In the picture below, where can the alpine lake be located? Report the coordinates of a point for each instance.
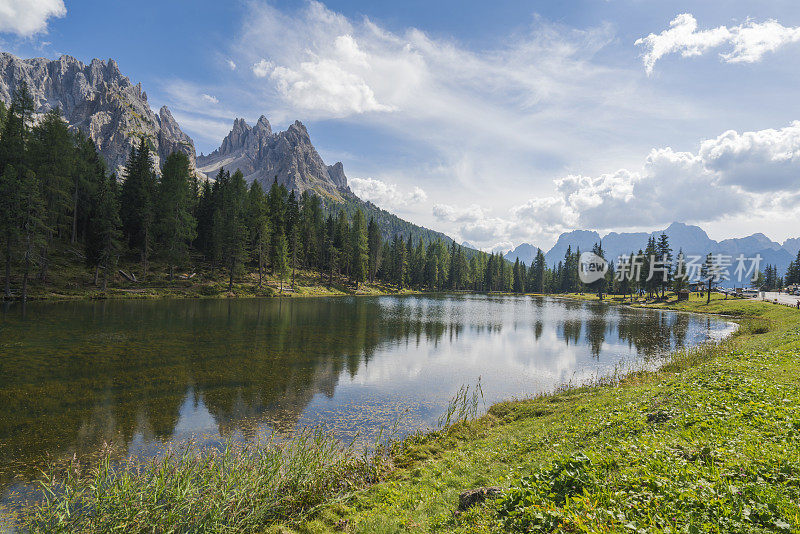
(140, 376)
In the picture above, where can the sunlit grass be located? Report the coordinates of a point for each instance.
(238, 489)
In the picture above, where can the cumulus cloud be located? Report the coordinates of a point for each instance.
(386, 195)
(446, 212)
(730, 175)
(262, 68)
(332, 84)
(210, 99)
(231, 64)
(749, 41)
(28, 17)
(761, 161)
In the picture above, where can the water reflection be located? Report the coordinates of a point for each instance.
(141, 374)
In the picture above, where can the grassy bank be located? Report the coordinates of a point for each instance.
(709, 443)
(69, 279)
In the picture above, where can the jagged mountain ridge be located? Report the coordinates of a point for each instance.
(262, 155)
(693, 240)
(98, 100)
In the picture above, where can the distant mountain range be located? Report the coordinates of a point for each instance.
(693, 240)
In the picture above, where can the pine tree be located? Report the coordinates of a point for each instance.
(331, 252)
(14, 141)
(538, 267)
(10, 216)
(32, 225)
(600, 285)
(519, 284)
(665, 258)
(679, 281)
(103, 234)
(89, 175)
(52, 158)
(232, 238)
(707, 273)
(312, 229)
(652, 281)
(342, 243)
(374, 248)
(276, 201)
(293, 231)
(360, 249)
(258, 227)
(280, 259)
(204, 215)
(137, 202)
(176, 226)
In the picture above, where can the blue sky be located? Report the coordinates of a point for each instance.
(498, 122)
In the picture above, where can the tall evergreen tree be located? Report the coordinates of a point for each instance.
(103, 234)
(32, 225)
(176, 225)
(360, 249)
(137, 202)
(374, 247)
(665, 258)
(258, 226)
(230, 224)
(14, 141)
(280, 258)
(52, 158)
(293, 231)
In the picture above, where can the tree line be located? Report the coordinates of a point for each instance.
(55, 189)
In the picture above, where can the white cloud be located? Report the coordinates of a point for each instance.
(28, 17)
(384, 194)
(232, 64)
(750, 41)
(761, 161)
(210, 99)
(262, 68)
(729, 176)
(446, 212)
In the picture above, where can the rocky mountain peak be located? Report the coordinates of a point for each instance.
(263, 125)
(98, 100)
(262, 154)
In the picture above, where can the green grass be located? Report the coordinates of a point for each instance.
(69, 279)
(239, 489)
(709, 443)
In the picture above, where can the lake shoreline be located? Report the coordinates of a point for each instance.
(415, 465)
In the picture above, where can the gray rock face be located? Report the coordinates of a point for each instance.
(98, 100)
(262, 155)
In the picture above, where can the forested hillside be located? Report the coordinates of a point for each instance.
(61, 203)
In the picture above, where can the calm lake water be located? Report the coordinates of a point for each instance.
(147, 374)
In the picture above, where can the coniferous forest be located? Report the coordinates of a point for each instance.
(57, 195)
